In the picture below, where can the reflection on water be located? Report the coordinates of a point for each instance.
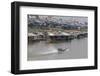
(42, 50)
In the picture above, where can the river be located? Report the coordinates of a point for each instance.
(41, 50)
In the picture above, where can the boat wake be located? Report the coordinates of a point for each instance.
(49, 52)
(56, 51)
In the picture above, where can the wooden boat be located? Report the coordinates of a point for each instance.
(61, 50)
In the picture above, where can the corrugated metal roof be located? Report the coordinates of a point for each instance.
(51, 34)
(58, 34)
(64, 33)
(31, 34)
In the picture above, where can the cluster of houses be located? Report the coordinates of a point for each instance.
(52, 36)
(60, 36)
(36, 36)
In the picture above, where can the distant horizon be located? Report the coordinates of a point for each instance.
(55, 15)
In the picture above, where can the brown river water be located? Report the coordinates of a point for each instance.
(41, 50)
